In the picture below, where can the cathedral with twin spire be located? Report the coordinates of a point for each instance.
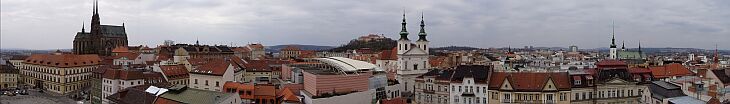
(102, 39)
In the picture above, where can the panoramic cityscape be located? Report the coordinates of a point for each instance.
(364, 52)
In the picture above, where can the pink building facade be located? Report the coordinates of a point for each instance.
(317, 82)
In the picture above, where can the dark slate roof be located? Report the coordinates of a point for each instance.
(82, 34)
(663, 90)
(722, 76)
(113, 31)
(6, 67)
(133, 95)
(478, 72)
(439, 74)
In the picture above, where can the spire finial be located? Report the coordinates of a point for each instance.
(403, 31)
(639, 45)
(422, 34)
(83, 27)
(96, 6)
(623, 45)
(613, 35)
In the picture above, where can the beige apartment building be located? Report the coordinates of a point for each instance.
(212, 75)
(58, 73)
(8, 75)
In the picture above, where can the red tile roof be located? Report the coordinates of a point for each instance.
(294, 87)
(256, 46)
(670, 70)
(639, 70)
(63, 60)
(436, 61)
(308, 54)
(161, 100)
(397, 100)
(240, 87)
(120, 49)
(265, 90)
(241, 49)
(152, 76)
(129, 56)
(123, 74)
(610, 63)
(213, 67)
(173, 72)
(530, 81)
(389, 54)
(257, 65)
(163, 55)
(287, 95)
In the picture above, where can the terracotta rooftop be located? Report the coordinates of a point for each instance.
(120, 49)
(670, 70)
(256, 46)
(610, 63)
(287, 95)
(241, 87)
(397, 100)
(213, 67)
(63, 60)
(639, 70)
(123, 74)
(436, 61)
(257, 65)
(129, 56)
(173, 72)
(389, 54)
(241, 49)
(530, 81)
(264, 90)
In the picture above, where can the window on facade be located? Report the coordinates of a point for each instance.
(494, 95)
(217, 83)
(206, 82)
(506, 98)
(549, 97)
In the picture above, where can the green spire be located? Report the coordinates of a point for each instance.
(403, 31)
(422, 34)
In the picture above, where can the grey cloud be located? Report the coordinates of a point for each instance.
(690, 23)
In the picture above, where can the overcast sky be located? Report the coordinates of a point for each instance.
(52, 24)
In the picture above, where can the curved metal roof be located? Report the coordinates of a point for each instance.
(349, 65)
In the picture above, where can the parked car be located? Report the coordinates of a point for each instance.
(9, 93)
(24, 92)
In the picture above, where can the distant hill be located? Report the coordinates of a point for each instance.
(377, 45)
(454, 48)
(277, 48)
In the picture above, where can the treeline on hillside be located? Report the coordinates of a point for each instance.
(376, 45)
